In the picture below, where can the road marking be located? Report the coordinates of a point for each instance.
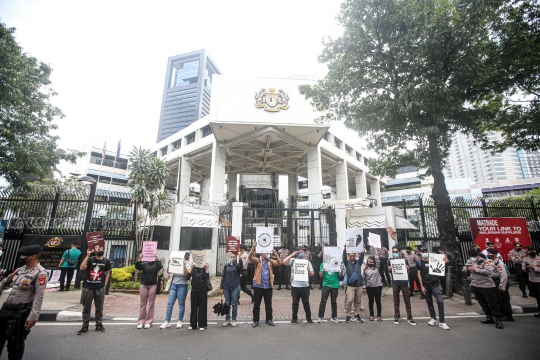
(104, 323)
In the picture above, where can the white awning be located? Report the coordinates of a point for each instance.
(199, 220)
(367, 222)
(402, 223)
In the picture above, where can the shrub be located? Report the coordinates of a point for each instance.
(129, 269)
(119, 275)
(127, 285)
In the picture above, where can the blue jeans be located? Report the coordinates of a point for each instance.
(231, 298)
(178, 291)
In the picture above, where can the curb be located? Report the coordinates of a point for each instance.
(525, 309)
(74, 316)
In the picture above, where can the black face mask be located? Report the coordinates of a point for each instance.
(371, 265)
(532, 254)
(100, 253)
(20, 262)
(517, 249)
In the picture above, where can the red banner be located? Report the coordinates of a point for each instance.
(502, 232)
(233, 244)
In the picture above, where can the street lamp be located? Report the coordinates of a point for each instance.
(87, 180)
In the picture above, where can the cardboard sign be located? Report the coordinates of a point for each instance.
(149, 250)
(436, 264)
(353, 240)
(502, 232)
(301, 270)
(332, 258)
(375, 240)
(176, 266)
(233, 244)
(399, 269)
(264, 238)
(95, 241)
(199, 258)
(55, 277)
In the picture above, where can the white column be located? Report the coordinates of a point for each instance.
(293, 186)
(236, 229)
(233, 185)
(205, 189)
(217, 173)
(213, 252)
(342, 182)
(341, 224)
(314, 175)
(184, 177)
(361, 187)
(376, 192)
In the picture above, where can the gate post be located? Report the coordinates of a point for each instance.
(236, 229)
(289, 228)
(341, 224)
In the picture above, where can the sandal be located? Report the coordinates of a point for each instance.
(379, 319)
(371, 318)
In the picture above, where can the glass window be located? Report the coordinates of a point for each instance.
(190, 138)
(207, 130)
(208, 73)
(185, 72)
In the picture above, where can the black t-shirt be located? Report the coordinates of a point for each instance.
(95, 273)
(427, 279)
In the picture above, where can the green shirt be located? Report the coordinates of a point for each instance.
(73, 256)
(330, 278)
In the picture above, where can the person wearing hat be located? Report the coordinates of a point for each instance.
(23, 304)
(531, 264)
(477, 248)
(490, 245)
(284, 272)
(516, 255)
(500, 277)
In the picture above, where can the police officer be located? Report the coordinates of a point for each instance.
(517, 255)
(531, 264)
(483, 286)
(23, 304)
(500, 277)
(413, 276)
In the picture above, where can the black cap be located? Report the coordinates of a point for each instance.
(517, 245)
(472, 253)
(422, 248)
(492, 251)
(30, 250)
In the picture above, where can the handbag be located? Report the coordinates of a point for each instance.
(160, 284)
(208, 284)
(69, 261)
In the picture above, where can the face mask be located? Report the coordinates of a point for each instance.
(473, 259)
(396, 255)
(371, 265)
(517, 249)
(100, 253)
(425, 255)
(283, 247)
(20, 262)
(233, 261)
(301, 255)
(532, 254)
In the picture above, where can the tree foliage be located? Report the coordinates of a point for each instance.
(28, 150)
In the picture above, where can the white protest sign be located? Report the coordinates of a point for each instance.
(199, 258)
(301, 270)
(332, 258)
(176, 266)
(436, 264)
(375, 240)
(399, 269)
(264, 238)
(353, 239)
(55, 278)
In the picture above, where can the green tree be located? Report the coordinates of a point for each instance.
(406, 74)
(28, 150)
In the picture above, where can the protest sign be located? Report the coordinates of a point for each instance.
(353, 239)
(176, 266)
(332, 258)
(264, 236)
(233, 244)
(300, 270)
(149, 250)
(199, 258)
(399, 269)
(436, 264)
(375, 240)
(95, 241)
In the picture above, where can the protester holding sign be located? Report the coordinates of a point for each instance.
(67, 265)
(199, 297)
(373, 287)
(230, 286)
(148, 288)
(178, 291)
(300, 284)
(330, 283)
(399, 268)
(353, 269)
(429, 284)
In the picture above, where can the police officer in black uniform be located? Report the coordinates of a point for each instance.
(23, 304)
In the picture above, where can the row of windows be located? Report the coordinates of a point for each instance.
(349, 150)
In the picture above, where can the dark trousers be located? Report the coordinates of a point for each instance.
(435, 291)
(259, 294)
(251, 273)
(443, 279)
(383, 271)
(63, 273)
(504, 299)
(487, 298)
(374, 295)
(89, 295)
(521, 277)
(244, 282)
(284, 275)
(333, 301)
(302, 293)
(413, 276)
(15, 349)
(537, 291)
(199, 305)
(396, 289)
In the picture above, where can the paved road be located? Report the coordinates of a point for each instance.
(468, 339)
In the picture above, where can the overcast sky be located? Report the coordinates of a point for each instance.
(109, 57)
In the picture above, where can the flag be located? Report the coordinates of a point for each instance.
(118, 148)
(104, 150)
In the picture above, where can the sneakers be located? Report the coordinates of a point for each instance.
(140, 326)
(396, 321)
(411, 322)
(83, 330)
(100, 328)
(147, 326)
(202, 329)
(348, 319)
(294, 322)
(310, 321)
(444, 326)
(336, 320)
(319, 320)
(361, 307)
(165, 325)
(233, 323)
(279, 287)
(178, 326)
(190, 328)
(358, 318)
(270, 322)
(432, 322)
(255, 324)
(226, 323)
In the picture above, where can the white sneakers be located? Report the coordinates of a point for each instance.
(165, 325)
(233, 323)
(140, 326)
(147, 326)
(319, 320)
(202, 329)
(226, 323)
(179, 325)
(444, 326)
(432, 322)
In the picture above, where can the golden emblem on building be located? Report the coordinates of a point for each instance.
(54, 242)
(271, 101)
